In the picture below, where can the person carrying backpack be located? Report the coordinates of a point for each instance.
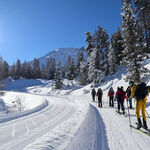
(140, 92)
(128, 93)
(111, 94)
(120, 94)
(93, 93)
(99, 95)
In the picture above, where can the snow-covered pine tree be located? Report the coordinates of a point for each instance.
(93, 70)
(70, 69)
(58, 76)
(83, 71)
(79, 59)
(143, 14)
(51, 68)
(112, 60)
(97, 50)
(100, 40)
(133, 51)
(117, 45)
(89, 40)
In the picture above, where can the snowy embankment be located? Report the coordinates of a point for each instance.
(20, 104)
(29, 108)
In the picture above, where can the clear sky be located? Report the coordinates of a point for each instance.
(32, 28)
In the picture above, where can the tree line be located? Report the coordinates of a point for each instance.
(128, 46)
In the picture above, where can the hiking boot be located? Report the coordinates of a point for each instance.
(144, 124)
(123, 112)
(118, 111)
(139, 124)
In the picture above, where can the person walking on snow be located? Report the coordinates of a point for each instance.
(99, 95)
(128, 93)
(111, 94)
(140, 102)
(93, 93)
(120, 99)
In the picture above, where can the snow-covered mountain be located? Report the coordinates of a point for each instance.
(61, 54)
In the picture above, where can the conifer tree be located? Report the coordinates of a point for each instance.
(51, 68)
(43, 72)
(58, 76)
(143, 14)
(5, 70)
(117, 45)
(133, 51)
(83, 71)
(36, 68)
(70, 69)
(24, 69)
(12, 71)
(29, 71)
(18, 68)
(97, 50)
(112, 60)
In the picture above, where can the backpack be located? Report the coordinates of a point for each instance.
(99, 93)
(93, 92)
(141, 91)
(128, 91)
(111, 92)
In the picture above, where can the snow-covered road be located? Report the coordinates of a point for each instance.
(18, 133)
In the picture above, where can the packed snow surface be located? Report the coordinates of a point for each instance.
(69, 120)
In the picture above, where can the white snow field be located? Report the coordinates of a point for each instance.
(67, 119)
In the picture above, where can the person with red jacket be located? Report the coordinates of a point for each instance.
(111, 94)
(121, 96)
(99, 95)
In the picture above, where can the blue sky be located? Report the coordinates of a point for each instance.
(32, 28)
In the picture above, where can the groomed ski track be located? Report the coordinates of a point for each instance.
(18, 133)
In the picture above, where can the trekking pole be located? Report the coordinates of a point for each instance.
(129, 114)
(107, 100)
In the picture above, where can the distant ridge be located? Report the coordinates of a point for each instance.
(61, 54)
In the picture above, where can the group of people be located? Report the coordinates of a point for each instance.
(99, 94)
(130, 93)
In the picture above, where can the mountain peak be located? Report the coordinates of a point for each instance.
(61, 54)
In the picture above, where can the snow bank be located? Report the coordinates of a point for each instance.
(9, 117)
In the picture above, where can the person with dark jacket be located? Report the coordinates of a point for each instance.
(111, 94)
(120, 99)
(93, 93)
(99, 95)
(128, 93)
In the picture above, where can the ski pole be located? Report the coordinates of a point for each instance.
(128, 113)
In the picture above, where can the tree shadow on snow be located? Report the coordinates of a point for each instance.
(22, 85)
(101, 139)
(91, 134)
